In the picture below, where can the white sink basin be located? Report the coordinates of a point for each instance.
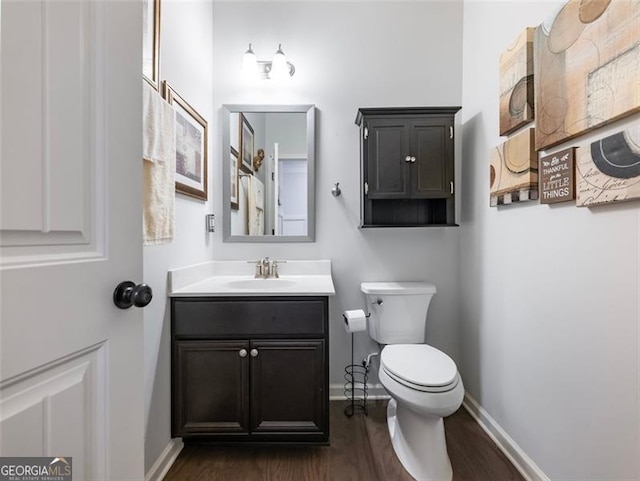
(236, 278)
(253, 284)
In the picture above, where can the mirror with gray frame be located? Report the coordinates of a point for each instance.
(268, 154)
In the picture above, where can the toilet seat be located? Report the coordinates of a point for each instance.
(420, 367)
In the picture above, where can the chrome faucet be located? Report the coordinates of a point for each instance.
(266, 268)
(266, 264)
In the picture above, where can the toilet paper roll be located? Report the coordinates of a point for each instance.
(355, 320)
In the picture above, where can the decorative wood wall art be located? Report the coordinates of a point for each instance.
(608, 169)
(587, 68)
(557, 177)
(514, 170)
(516, 83)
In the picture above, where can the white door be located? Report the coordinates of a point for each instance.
(270, 195)
(70, 231)
(293, 196)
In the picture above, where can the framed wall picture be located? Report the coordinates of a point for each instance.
(246, 142)
(191, 146)
(235, 180)
(151, 42)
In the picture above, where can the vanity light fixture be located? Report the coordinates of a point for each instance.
(277, 69)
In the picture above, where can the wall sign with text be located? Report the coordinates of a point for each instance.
(557, 177)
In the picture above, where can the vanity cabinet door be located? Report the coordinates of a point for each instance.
(288, 388)
(211, 394)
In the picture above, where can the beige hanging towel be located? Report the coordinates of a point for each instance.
(159, 166)
(256, 206)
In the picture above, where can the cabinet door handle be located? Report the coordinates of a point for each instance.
(242, 353)
(413, 159)
(254, 353)
(407, 158)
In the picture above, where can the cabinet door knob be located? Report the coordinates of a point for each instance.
(413, 159)
(254, 353)
(407, 158)
(242, 353)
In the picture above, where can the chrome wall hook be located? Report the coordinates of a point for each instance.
(336, 190)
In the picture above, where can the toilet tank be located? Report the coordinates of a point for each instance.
(398, 310)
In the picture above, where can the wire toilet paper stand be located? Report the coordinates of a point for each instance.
(355, 386)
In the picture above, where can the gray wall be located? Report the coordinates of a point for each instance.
(550, 350)
(186, 63)
(347, 55)
(549, 321)
(350, 55)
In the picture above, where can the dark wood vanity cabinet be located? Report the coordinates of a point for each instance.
(407, 166)
(251, 369)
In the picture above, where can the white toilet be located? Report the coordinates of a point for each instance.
(422, 381)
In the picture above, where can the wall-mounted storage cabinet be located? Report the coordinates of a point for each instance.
(407, 166)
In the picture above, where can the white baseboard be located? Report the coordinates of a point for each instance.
(374, 391)
(164, 462)
(523, 463)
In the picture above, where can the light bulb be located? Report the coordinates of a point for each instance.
(250, 63)
(279, 67)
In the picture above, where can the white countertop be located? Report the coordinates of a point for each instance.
(236, 278)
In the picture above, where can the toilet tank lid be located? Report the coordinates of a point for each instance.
(398, 288)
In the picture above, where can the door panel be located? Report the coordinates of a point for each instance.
(70, 231)
(46, 412)
(387, 171)
(47, 200)
(430, 172)
(284, 397)
(211, 387)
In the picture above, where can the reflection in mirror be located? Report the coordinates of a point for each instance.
(268, 176)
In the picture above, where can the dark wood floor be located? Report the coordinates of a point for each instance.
(360, 451)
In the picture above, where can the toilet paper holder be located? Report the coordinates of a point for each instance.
(344, 318)
(356, 389)
(355, 320)
(355, 375)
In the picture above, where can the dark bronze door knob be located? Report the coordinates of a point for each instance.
(129, 294)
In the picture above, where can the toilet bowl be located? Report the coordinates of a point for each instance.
(425, 387)
(423, 382)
